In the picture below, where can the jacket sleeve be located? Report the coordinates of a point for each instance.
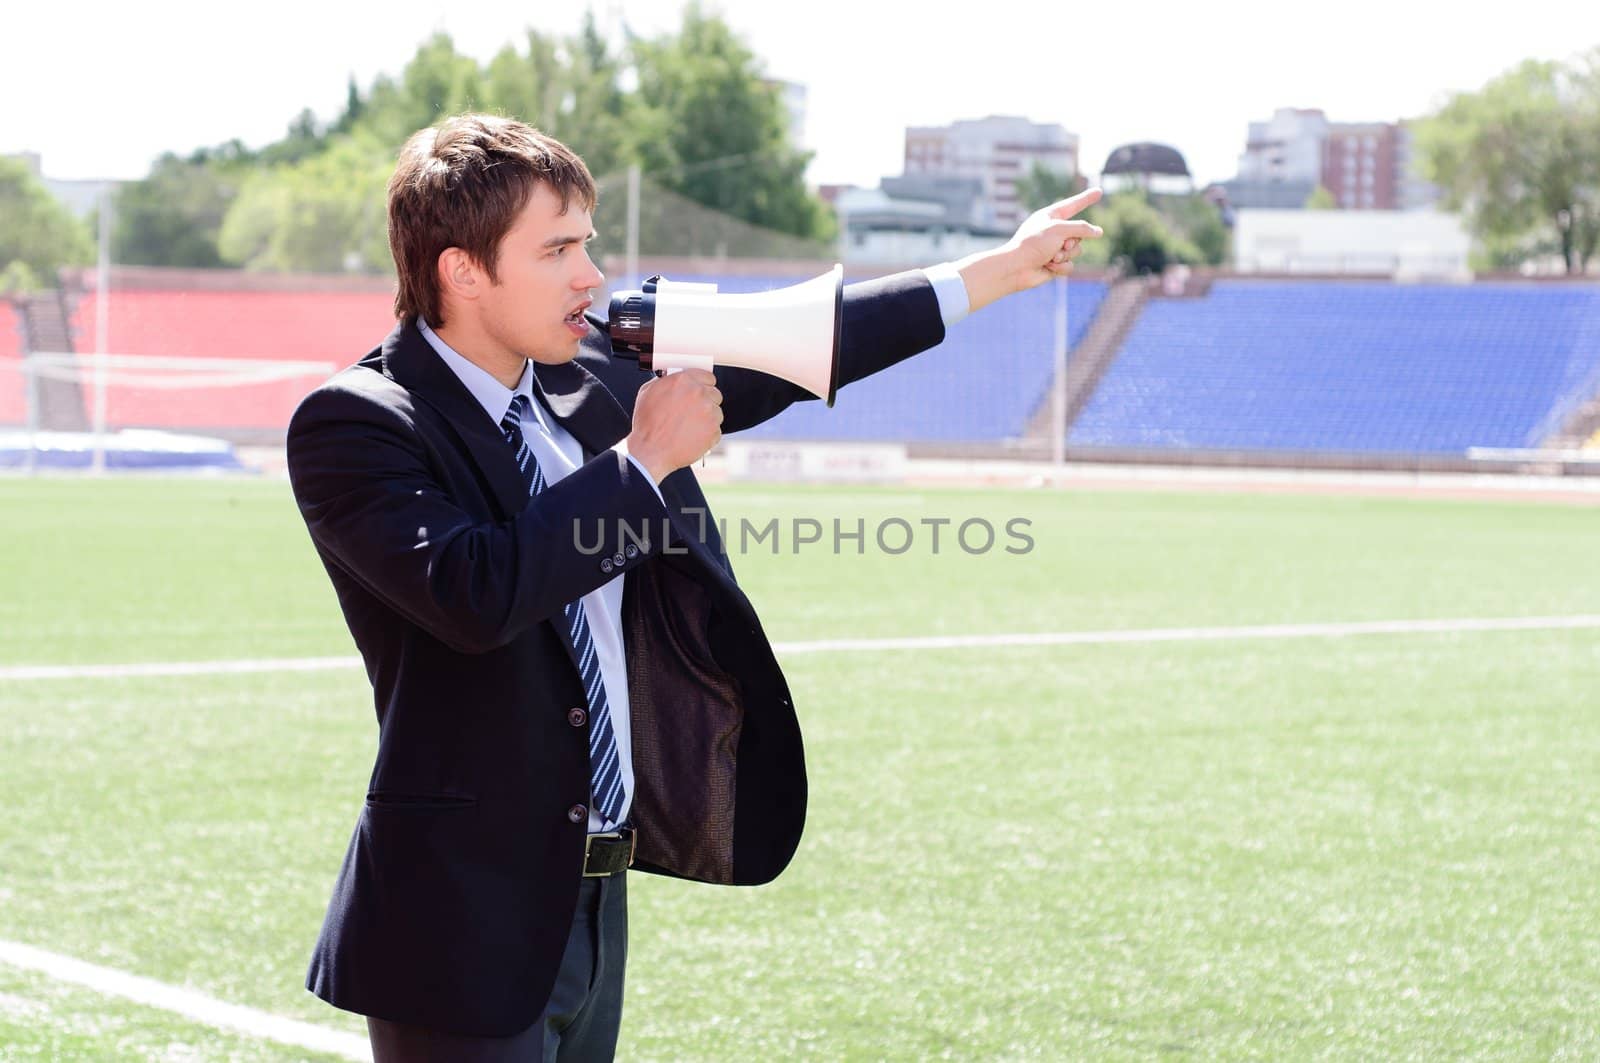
(886, 320)
(365, 482)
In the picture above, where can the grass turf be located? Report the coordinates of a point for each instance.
(1332, 848)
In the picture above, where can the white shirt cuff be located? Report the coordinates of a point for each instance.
(950, 290)
(651, 480)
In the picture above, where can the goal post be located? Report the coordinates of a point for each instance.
(84, 406)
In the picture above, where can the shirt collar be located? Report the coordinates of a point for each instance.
(493, 396)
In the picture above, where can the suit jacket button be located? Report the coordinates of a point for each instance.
(632, 551)
(618, 560)
(606, 565)
(577, 717)
(577, 813)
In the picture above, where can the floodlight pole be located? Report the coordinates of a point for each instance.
(1058, 419)
(631, 262)
(30, 380)
(102, 325)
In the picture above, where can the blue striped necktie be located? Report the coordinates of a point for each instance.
(604, 765)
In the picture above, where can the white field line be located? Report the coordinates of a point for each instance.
(165, 668)
(220, 1015)
(933, 642)
(185, 1002)
(1197, 634)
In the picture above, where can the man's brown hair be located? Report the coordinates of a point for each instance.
(462, 184)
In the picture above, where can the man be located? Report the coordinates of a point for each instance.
(550, 714)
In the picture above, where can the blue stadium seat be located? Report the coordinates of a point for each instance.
(1349, 368)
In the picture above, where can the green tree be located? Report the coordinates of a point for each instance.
(355, 106)
(1521, 159)
(325, 213)
(173, 216)
(1040, 187)
(702, 122)
(1196, 224)
(436, 82)
(17, 277)
(710, 128)
(1138, 237)
(39, 235)
(569, 89)
(1321, 199)
(304, 139)
(594, 114)
(526, 84)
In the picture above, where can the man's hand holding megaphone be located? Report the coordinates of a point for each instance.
(676, 419)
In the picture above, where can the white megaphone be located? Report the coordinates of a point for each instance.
(791, 333)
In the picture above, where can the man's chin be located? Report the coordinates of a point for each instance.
(557, 354)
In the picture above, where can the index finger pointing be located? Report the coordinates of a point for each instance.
(1066, 208)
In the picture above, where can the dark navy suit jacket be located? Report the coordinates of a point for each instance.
(456, 895)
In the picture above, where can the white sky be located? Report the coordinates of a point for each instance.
(100, 89)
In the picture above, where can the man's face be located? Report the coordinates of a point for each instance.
(544, 280)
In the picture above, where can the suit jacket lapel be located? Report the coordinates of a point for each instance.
(409, 361)
(575, 397)
(581, 403)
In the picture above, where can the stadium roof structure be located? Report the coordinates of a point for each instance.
(1146, 158)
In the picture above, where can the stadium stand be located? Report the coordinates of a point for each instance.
(1281, 366)
(334, 326)
(1356, 368)
(982, 384)
(13, 398)
(57, 399)
(1575, 420)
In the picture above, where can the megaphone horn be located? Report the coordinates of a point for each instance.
(792, 333)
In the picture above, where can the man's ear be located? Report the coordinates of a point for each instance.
(460, 276)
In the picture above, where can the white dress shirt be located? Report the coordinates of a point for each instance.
(558, 454)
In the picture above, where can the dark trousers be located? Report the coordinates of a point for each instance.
(579, 1024)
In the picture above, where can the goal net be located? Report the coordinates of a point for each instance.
(60, 410)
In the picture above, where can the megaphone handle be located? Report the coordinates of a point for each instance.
(667, 372)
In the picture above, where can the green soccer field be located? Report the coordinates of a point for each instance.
(1374, 846)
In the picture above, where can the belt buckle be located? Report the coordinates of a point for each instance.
(588, 843)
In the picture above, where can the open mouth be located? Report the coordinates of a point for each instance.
(576, 317)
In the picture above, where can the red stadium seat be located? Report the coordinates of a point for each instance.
(13, 402)
(333, 326)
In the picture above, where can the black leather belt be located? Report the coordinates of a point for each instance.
(607, 854)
